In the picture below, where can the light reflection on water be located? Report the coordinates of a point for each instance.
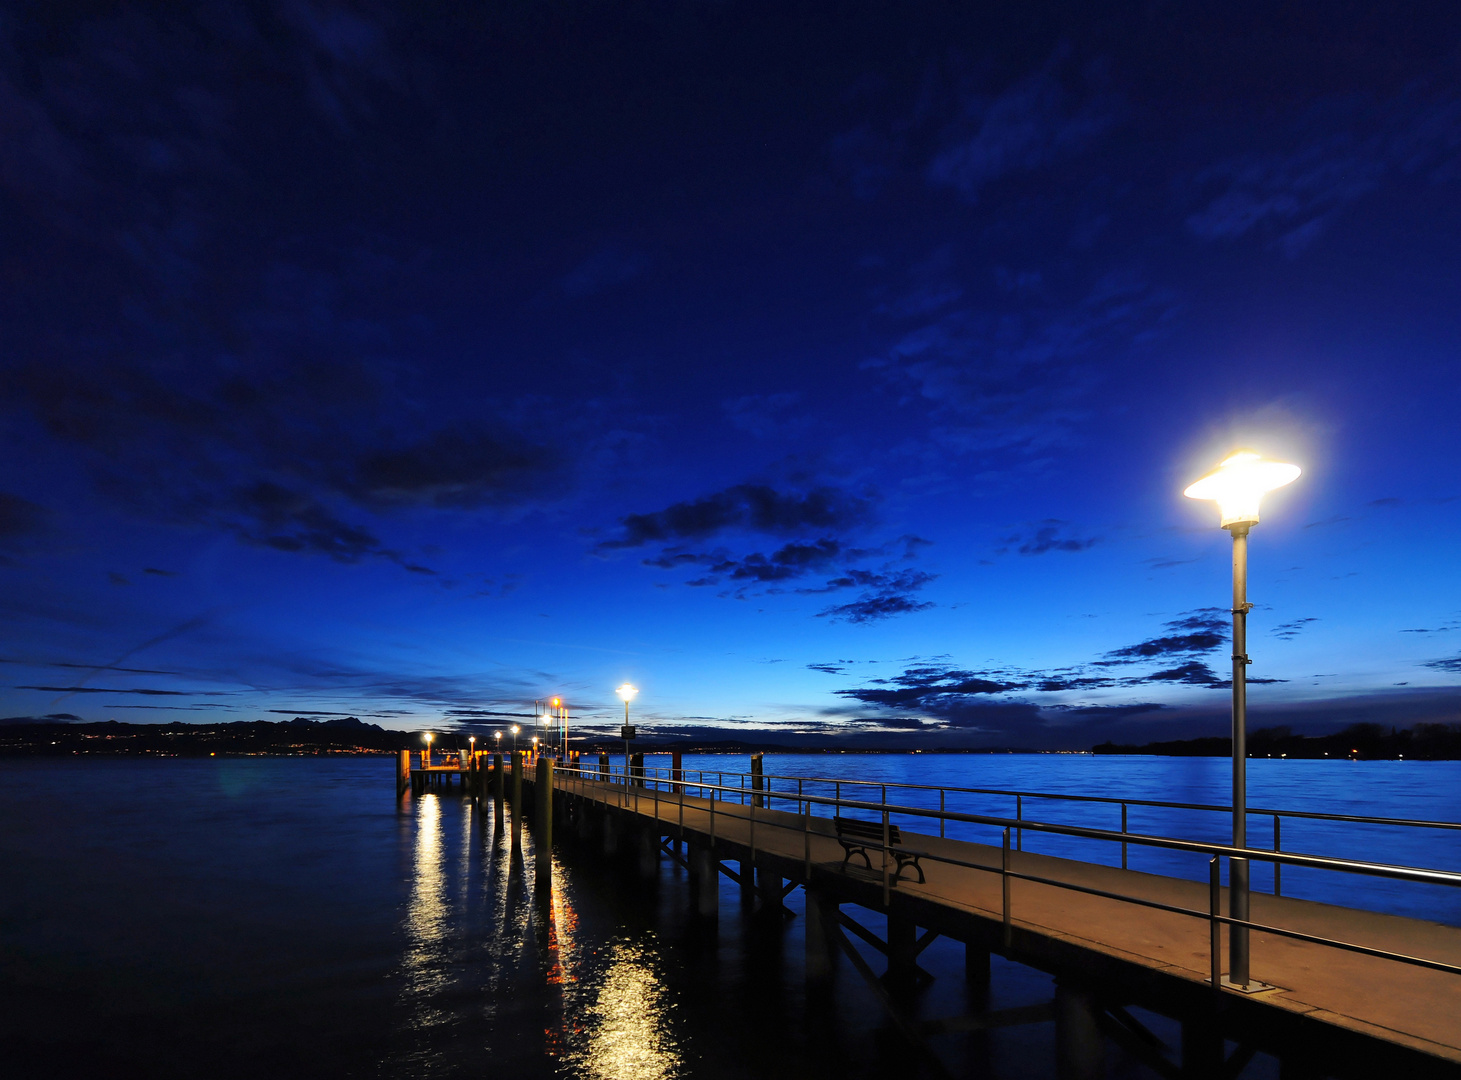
(628, 1030)
(423, 970)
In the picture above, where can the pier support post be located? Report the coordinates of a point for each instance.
(611, 835)
(1202, 1049)
(768, 886)
(821, 917)
(604, 767)
(677, 771)
(748, 884)
(902, 975)
(403, 773)
(543, 825)
(517, 782)
(499, 785)
(705, 881)
(1080, 1048)
(648, 851)
(757, 781)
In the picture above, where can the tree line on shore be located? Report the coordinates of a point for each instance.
(1423, 742)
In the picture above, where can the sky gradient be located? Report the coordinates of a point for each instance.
(829, 371)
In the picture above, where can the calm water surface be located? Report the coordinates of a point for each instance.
(251, 916)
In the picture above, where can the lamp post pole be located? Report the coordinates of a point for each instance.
(1238, 868)
(1238, 486)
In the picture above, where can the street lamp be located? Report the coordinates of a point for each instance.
(472, 752)
(627, 692)
(428, 737)
(1237, 486)
(514, 739)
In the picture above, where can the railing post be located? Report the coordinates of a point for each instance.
(1215, 933)
(1123, 833)
(1019, 816)
(887, 885)
(682, 810)
(941, 812)
(1277, 867)
(753, 831)
(712, 817)
(1004, 877)
(806, 840)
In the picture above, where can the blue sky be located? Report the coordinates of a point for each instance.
(828, 371)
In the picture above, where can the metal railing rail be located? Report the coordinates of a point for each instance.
(578, 777)
(1020, 796)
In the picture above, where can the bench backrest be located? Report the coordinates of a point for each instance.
(866, 830)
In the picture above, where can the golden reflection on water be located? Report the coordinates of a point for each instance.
(628, 1034)
(427, 915)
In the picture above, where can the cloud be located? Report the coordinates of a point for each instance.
(1345, 151)
(111, 690)
(49, 718)
(1047, 538)
(19, 518)
(1199, 631)
(610, 266)
(874, 607)
(747, 507)
(828, 669)
(1290, 630)
(930, 688)
(1034, 123)
(155, 572)
(767, 415)
(1450, 664)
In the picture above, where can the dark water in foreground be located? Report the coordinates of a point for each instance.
(285, 917)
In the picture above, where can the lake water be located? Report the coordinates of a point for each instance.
(287, 917)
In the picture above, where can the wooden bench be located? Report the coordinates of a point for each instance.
(855, 836)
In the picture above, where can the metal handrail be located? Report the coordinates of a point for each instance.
(1214, 851)
(1262, 811)
(1319, 862)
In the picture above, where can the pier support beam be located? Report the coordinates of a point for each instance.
(1202, 1049)
(748, 884)
(403, 773)
(1080, 1048)
(768, 887)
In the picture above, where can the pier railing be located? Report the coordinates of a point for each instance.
(742, 785)
(658, 788)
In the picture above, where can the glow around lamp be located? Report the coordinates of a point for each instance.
(1239, 484)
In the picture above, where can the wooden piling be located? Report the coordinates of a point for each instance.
(705, 877)
(1080, 1047)
(604, 767)
(403, 773)
(820, 918)
(757, 781)
(677, 771)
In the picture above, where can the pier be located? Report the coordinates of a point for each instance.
(1334, 991)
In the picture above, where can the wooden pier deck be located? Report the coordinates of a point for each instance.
(1341, 1005)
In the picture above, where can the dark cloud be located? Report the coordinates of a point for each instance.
(1114, 712)
(1450, 664)
(827, 669)
(454, 468)
(610, 266)
(1345, 150)
(1036, 122)
(108, 690)
(930, 688)
(1199, 631)
(1047, 537)
(19, 518)
(747, 507)
(49, 718)
(155, 572)
(1290, 630)
(874, 608)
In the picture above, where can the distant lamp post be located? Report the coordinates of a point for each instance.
(498, 736)
(428, 738)
(514, 738)
(1237, 486)
(627, 692)
(472, 752)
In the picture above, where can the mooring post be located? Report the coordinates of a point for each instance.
(604, 766)
(758, 781)
(403, 773)
(677, 771)
(637, 769)
(543, 823)
(516, 794)
(1080, 1048)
